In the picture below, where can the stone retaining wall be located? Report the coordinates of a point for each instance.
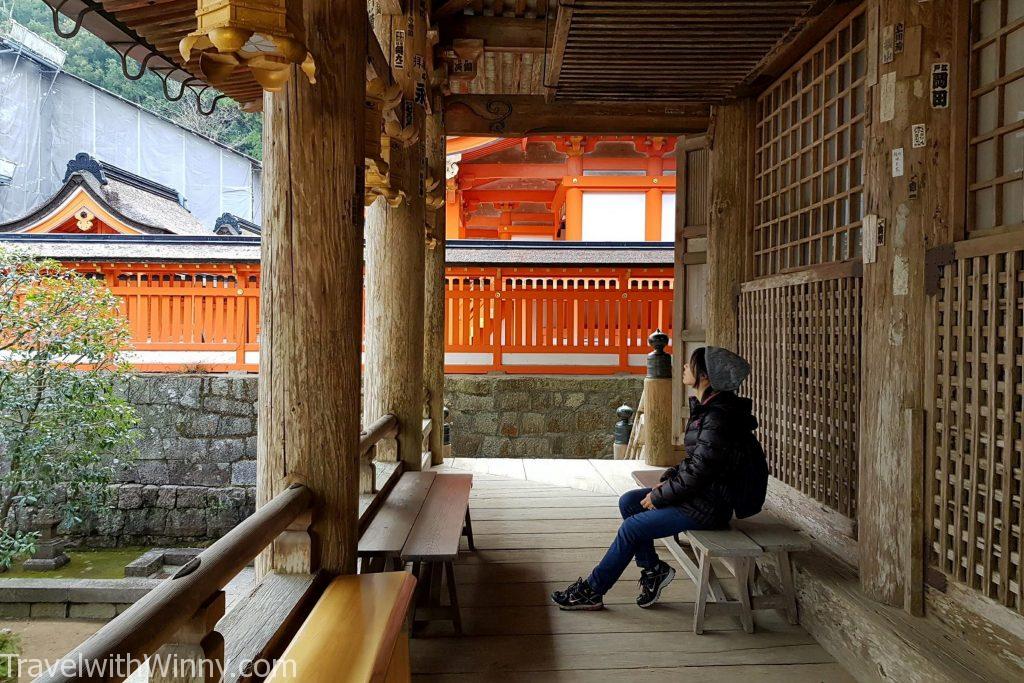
(536, 416)
(195, 474)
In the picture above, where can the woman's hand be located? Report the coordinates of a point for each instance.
(647, 503)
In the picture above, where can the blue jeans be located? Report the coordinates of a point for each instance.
(636, 537)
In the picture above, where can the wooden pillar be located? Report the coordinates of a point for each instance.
(395, 236)
(395, 255)
(914, 198)
(574, 214)
(658, 449)
(731, 222)
(453, 227)
(652, 216)
(434, 294)
(311, 291)
(574, 198)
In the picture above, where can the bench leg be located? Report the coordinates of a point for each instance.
(467, 530)
(788, 589)
(703, 587)
(453, 598)
(743, 569)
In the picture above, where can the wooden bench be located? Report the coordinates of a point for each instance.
(421, 522)
(738, 547)
(355, 633)
(778, 541)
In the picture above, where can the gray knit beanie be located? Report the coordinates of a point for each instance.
(726, 370)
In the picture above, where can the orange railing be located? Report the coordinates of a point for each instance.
(550, 320)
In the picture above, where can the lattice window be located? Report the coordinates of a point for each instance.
(996, 159)
(803, 344)
(977, 420)
(809, 156)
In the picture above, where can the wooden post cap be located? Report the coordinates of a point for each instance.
(659, 363)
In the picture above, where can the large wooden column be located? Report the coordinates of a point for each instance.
(731, 222)
(434, 290)
(393, 374)
(311, 288)
(914, 199)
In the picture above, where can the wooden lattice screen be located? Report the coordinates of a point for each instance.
(996, 158)
(809, 156)
(803, 342)
(976, 421)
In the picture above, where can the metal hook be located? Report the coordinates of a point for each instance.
(142, 69)
(184, 86)
(213, 104)
(78, 19)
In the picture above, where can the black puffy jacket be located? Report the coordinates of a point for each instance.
(699, 484)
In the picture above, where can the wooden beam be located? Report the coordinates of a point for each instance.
(448, 8)
(312, 253)
(500, 34)
(522, 115)
(558, 43)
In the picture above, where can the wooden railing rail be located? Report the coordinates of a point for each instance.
(384, 427)
(179, 615)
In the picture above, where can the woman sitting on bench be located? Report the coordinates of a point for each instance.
(695, 494)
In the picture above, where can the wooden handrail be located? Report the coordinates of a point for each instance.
(384, 427)
(144, 627)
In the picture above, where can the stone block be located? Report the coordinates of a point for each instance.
(243, 473)
(512, 400)
(84, 591)
(574, 399)
(150, 472)
(95, 610)
(130, 497)
(49, 610)
(228, 449)
(200, 474)
(146, 564)
(249, 452)
(186, 523)
(235, 426)
(483, 423)
(191, 497)
(509, 425)
(150, 493)
(532, 423)
(34, 590)
(227, 406)
(472, 403)
(14, 610)
(595, 420)
(167, 497)
(466, 445)
(199, 424)
(495, 447)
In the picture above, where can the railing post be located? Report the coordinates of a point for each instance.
(658, 403)
(623, 428)
(196, 652)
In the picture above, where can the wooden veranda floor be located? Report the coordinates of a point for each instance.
(533, 536)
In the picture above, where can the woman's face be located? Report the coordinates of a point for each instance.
(688, 378)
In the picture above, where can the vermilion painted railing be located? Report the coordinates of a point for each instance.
(517, 320)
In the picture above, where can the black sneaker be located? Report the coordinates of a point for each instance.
(652, 582)
(578, 596)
